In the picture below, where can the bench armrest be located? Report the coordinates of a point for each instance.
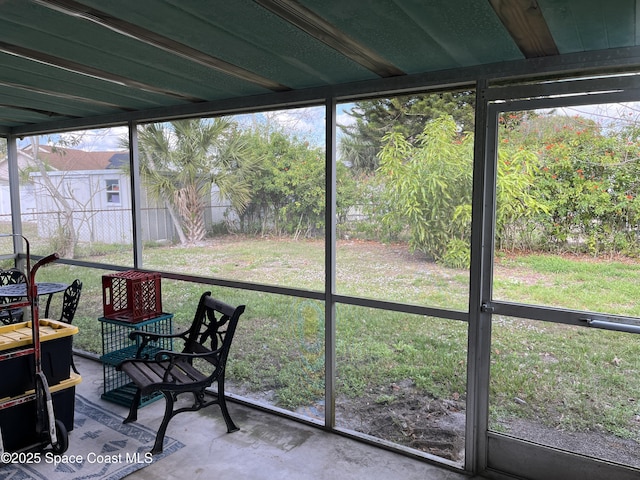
(147, 337)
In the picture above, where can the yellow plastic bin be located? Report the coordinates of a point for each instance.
(18, 422)
(17, 371)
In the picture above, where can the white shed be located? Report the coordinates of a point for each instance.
(99, 199)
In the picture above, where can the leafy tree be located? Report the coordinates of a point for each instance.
(373, 119)
(181, 160)
(289, 190)
(590, 182)
(586, 177)
(357, 150)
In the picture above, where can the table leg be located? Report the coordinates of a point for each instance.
(46, 309)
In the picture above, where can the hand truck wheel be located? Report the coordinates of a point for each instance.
(62, 438)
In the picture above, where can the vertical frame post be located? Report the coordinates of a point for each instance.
(134, 163)
(330, 263)
(479, 333)
(14, 199)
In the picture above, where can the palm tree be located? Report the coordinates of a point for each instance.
(181, 160)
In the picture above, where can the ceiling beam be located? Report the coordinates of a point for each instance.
(319, 28)
(148, 37)
(58, 62)
(524, 21)
(45, 113)
(62, 95)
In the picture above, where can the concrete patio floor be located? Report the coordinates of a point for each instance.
(266, 447)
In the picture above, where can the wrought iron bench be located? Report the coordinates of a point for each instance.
(201, 363)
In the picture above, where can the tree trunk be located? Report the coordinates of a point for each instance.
(191, 208)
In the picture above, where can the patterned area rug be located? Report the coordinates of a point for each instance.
(100, 448)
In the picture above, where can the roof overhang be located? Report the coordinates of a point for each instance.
(79, 64)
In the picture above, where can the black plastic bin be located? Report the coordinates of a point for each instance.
(18, 422)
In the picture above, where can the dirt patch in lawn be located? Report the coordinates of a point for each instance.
(398, 414)
(403, 416)
(407, 417)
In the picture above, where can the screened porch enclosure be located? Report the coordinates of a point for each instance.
(389, 363)
(430, 212)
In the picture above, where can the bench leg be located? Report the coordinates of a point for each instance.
(231, 427)
(133, 410)
(168, 414)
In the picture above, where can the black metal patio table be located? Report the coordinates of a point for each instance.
(17, 290)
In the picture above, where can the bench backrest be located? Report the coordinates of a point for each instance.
(212, 330)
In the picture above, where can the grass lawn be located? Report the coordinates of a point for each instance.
(562, 376)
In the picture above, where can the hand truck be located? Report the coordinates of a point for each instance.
(49, 431)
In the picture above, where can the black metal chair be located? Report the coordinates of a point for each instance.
(70, 301)
(201, 363)
(10, 277)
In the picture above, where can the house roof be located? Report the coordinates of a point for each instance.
(67, 159)
(67, 63)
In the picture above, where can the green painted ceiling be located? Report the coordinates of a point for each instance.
(67, 59)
